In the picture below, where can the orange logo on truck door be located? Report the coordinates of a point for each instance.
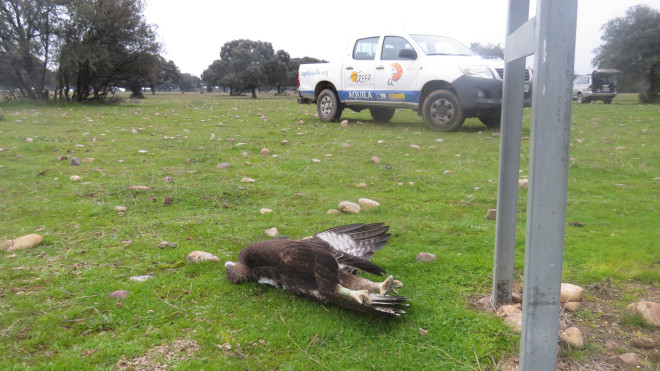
(397, 71)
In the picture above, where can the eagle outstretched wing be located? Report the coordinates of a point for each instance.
(358, 240)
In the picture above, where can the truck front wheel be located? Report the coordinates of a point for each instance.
(442, 112)
(327, 106)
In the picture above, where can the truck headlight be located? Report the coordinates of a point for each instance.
(483, 72)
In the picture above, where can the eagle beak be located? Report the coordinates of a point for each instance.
(229, 264)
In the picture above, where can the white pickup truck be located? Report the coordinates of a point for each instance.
(436, 76)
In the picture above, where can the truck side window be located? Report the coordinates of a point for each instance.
(365, 49)
(392, 46)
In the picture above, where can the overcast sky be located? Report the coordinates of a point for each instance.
(193, 31)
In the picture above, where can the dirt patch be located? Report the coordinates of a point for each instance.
(160, 358)
(607, 332)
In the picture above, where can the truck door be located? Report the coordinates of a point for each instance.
(358, 71)
(396, 71)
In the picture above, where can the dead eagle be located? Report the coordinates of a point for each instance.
(322, 267)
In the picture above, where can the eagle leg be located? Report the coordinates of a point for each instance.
(360, 296)
(389, 285)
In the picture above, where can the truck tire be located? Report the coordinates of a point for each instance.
(491, 121)
(328, 106)
(442, 112)
(580, 99)
(382, 114)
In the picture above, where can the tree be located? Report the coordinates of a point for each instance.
(489, 50)
(106, 43)
(27, 37)
(166, 76)
(214, 73)
(631, 44)
(189, 82)
(246, 63)
(277, 69)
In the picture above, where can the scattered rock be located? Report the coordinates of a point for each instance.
(316, 160)
(165, 244)
(630, 359)
(301, 122)
(201, 256)
(223, 165)
(62, 158)
(425, 257)
(29, 140)
(572, 306)
(344, 123)
(272, 232)
(516, 297)
(333, 211)
(168, 179)
(120, 208)
(375, 159)
(484, 304)
(573, 337)
(447, 172)
(21, 243)
(361, 185)
(349, 207)
(522, 183)
(368, 204)
(284, 142)
(265, 151)
(119, 294)
(139, 188)
(140, 278)
(247, 180)
(505, 310)
(643, 343)
(265, 210)
(570, 292)
(491, 214)
(133, 131)
(422, 332)
(88, 159)
(415, 146)
(75, 161)
(514, 322)
(648, 310)
(75, 178)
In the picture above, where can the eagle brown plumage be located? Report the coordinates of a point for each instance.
(322, 268)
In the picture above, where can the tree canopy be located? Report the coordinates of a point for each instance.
(631, 44)
(93, 45)
(487, 50)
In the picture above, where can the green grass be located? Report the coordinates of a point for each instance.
(55, 312)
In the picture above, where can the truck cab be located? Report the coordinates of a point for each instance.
(436, 76)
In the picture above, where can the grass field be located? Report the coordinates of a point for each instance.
(55, 312)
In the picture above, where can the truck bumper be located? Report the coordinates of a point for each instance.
(305, 97)
(484, 96)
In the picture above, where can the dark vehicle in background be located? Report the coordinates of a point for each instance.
(600, 85)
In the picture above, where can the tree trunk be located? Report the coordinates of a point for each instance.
(653, 83)
(254, 93)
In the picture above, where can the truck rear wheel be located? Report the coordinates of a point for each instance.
(327, 106)
(382, 114)
(491, 121)
(442, 112)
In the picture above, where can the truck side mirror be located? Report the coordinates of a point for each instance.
(408, 54)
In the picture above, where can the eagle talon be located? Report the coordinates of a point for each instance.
(361, 296)
(388, 285)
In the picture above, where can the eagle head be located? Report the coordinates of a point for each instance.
(236, 272)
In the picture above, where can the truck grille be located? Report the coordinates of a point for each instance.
(500, 72)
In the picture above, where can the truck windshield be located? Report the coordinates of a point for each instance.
(438, 45)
